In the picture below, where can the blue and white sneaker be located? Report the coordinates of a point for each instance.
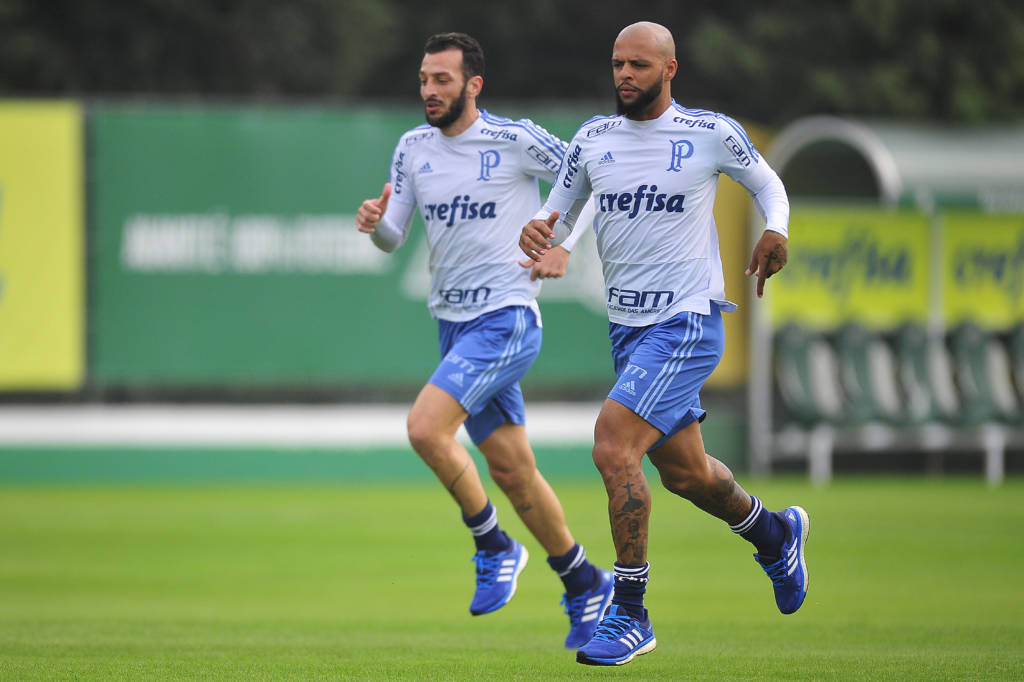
(496, 576)
(585, 610)
(618, 639)
(789, 571)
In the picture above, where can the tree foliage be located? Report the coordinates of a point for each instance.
(924, 59)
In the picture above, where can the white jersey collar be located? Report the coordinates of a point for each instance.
(466, 134)
(644, 125)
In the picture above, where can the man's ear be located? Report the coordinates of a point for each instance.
(475, 85)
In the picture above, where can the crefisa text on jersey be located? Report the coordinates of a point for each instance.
(498, 134)
(694, 122)
(645, 198)
(572, 164)
(461, 207)
(399, 173)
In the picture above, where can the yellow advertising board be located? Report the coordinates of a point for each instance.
(41, 246)
(983, 269)
(868, 265)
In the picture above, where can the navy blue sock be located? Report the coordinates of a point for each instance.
(630, 585)
(577, 574)
(486, 533)
(765, 529)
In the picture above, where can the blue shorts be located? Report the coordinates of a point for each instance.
(481, 365)
(662, 367)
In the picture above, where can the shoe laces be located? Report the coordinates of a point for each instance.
(574, 607)
(776, 571)
(612, 627)
(487, 566)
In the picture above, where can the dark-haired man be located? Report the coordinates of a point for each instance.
(653, 170)
(474, 178)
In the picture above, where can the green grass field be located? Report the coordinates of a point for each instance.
(910, 578)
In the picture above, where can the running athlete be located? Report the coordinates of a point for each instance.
(653, 170)
(474, 178)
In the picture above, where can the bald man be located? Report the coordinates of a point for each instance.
(653, 170)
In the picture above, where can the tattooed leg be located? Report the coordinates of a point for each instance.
(620, 441)
(629, 511)
(689, 472)
(513, 467)
(433, 421)
(721, 496)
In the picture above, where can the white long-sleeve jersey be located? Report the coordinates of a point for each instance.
(475, 191)
(653, 185)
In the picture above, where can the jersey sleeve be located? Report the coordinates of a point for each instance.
(572, 182)
(541, 151)
(580, 223)
(569, 193)
(740, 160)
(393, 228)
(400, 176)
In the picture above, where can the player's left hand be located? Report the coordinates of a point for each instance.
(770, 255)
(552, 264)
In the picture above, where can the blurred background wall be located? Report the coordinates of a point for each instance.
(179, 179)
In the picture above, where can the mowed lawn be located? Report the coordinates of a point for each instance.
(910, 578)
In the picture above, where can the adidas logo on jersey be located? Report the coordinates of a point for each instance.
(425, 168)
(628, 387)
(456, 378)
(606, 159)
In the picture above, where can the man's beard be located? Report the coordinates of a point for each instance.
(453, 113)
(642, 101)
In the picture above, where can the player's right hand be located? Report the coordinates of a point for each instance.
(372, 210)
(536, 237)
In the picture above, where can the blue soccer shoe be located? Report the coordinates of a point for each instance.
(789, 571)
(496, 576)
(585, 610)
(618, 639)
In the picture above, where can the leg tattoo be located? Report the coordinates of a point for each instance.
(629, 508)
(722, 497)
(451, 488)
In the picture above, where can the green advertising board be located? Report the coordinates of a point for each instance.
(225, 254)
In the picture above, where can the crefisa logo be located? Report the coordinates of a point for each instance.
(461, 207)
(644, 198)
(572, 164)
(399, 173)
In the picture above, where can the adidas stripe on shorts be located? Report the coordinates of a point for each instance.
(483, 360)
(662, 367)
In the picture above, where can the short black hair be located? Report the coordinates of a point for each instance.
(472, 53)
